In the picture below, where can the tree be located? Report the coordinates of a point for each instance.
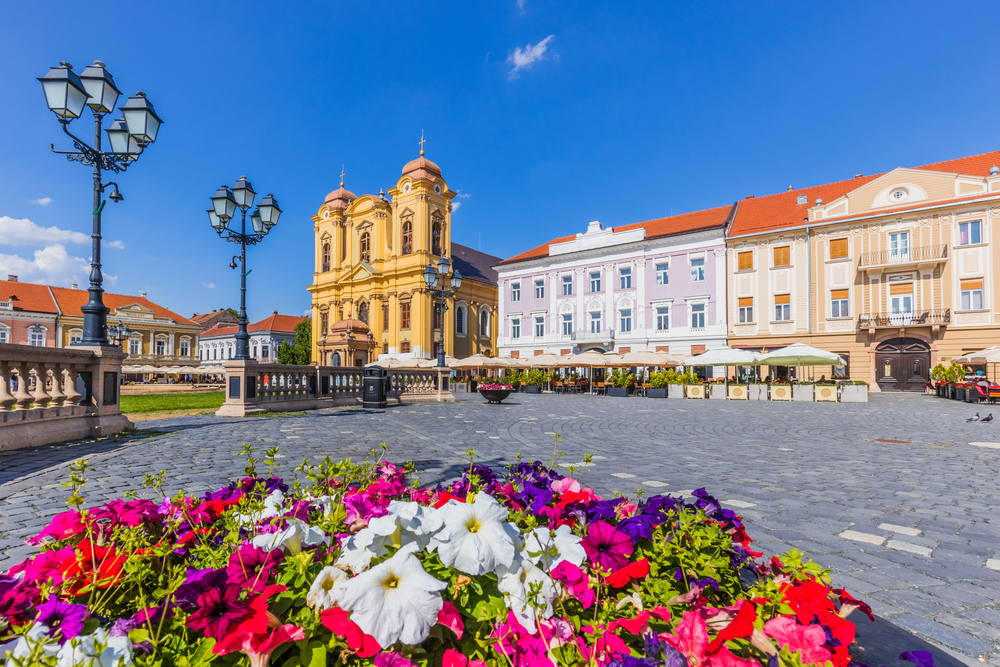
(234, 312)
(300, 351)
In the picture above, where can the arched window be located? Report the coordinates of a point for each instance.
(336, 359)
(363, 312)
(484, 323)
(460, 320)
(366, 247)
(324, 323)
(436, 239)
(407, 237)
(437, 316)
(326, 256)
(343, 243)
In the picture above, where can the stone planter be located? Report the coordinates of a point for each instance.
(738, 392)
(826, 392)
(803, 392)
(694, 390)
(853, 393)
(461, 387)
(618, 391)
(532, 389)
(959, 393)
(494, 395)
(781, 392)
(757, 392)
(716, 391)
(675, 391)
(656, 392)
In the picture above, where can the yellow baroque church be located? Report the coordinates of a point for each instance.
(369, 298)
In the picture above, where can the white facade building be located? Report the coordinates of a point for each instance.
(219, 342)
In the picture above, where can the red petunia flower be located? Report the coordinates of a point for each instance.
(92, 565)
(337, 621)
(622, 577)
(218, 610)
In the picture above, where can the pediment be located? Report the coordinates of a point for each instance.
(361, 271)
(133, 310)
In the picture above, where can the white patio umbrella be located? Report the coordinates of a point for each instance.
(988, 356)
(647, 358)
(589, 359)
(479, 361)
(799, 354)
(724, 356)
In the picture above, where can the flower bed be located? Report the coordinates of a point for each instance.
(354, 565)
(495, 387)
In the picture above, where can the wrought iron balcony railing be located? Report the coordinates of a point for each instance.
(586, 335)
(920, 253)
(906, 319)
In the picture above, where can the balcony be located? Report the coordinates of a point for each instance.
(935, 318)
(927, 255)
(585, 336)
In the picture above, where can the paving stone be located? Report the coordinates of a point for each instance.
(943, 634)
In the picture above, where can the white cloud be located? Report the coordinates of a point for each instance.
(52, 265)
(25, 232)
(209, 285)
(463, 196)
(455, 205)
(520, 5)
(117, 245)
(525, 58)
(44, 201)
(307, 312)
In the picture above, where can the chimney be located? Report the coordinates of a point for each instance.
(749, 197)
(74, 286)
(857, 175)
(274, 312)
(213, 310)
(11, 278)
(142, 295)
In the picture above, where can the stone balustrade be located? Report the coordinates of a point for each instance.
(253, 387)
(50, 395)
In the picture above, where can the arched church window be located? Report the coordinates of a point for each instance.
(336, 359)
(460, 320)
(436, 239)
(363, 312)
(326, 256)
(484, 324)
(324, 323)
(366, 247)
(407, 238)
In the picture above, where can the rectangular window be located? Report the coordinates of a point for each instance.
(515, 328)
(515, 291)
(161, 347)
(539, 326)
(3, 336)
(746, 309)
(899, 246)
(265, 352)
(697, 270)
(404, 347)
(663, 318)
(838, 248)
(626, 278)
(595, 323)
(567, 283)
(783, 256)
(968, 233)
(901, 299)
(972, 294)
(567, 325)
(698, 316)
(404, 315)
(37, 339)
(745, 260)
(662, 274)
(782, 308)
(539, 289)
(626, 320)
(135, 346)
(595, 282)
(838, 303)
(75, 339)
(185, 348)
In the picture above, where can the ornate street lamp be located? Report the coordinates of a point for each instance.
(119, 332)
(67, 95)
(432, 278)
(225, 201)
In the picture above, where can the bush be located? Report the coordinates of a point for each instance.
(621, 378)
(352, 565)
(534, 377)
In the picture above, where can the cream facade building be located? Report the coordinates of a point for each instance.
(895, 272)
(371, 252)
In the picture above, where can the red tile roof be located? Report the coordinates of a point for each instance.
(28, 296)
(72, 300)
(676, 224)
(778, 211)
(273, 322)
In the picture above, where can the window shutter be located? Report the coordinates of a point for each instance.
(972, 284)
(745, 260)
(838, 248)
(838, 294)
(782, 298)
(746, 301)
(901, 288)
(782, 256)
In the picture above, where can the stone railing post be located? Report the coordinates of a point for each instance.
(24, 399)
(57, 394)
(241, 388)
(105, 381)
(40, 397)
(7, 399)
(72, 395)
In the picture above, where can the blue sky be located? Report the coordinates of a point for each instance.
(543, 115)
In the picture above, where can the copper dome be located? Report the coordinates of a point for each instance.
(340, 198)
(422, 168)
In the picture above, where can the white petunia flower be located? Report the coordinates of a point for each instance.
(298, 534)
(516, 583)
(272, 507)
(408, 522)
(326, 590)
(547, 548)
(394, 601)
(475, 540)
(96, 650)
(359, 550)
(25, 645)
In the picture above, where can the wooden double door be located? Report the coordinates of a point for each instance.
(902, 364)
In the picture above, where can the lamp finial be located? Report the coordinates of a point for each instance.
(422, 140)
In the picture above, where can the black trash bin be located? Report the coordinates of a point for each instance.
(376, 387)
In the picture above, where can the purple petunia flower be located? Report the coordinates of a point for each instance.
(62, 617)
(603, 509)
(606, 548)
(631, 661)
(147, 616)
(534, 498)
(919, 658)
(197, 582)
(250, 566)
(638, 527)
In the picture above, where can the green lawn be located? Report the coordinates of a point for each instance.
(170, 402)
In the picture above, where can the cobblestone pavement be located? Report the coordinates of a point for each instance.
(894, 496)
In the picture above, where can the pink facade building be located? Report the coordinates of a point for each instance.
(28, 314)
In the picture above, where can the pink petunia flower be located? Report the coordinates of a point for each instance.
(607, 548)
(392, 659)
(576, 582)
(66, 524)
(809, 639)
